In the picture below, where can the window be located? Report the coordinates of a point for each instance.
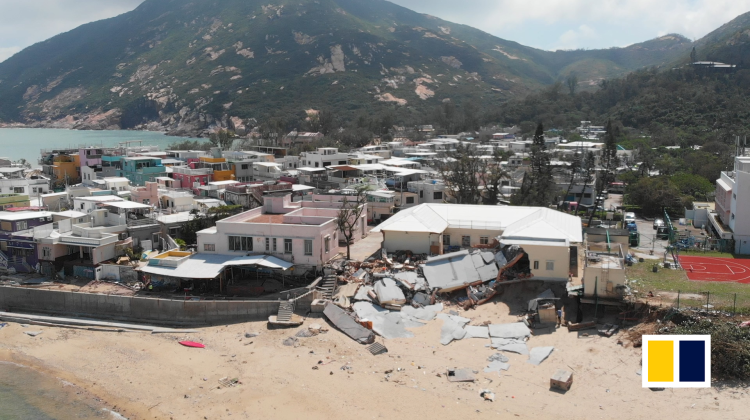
(446, 240)
(550, 266)
(287, 246)
(274, 244)
(209, 247)
(466, 241)
(34, 190)
(421, 194)
(536, 265)
(240, 243)
(327, 242)
(18, 190)
(484, 240)
(308, 246)
(244, 166)
(735, 196)
(587, 195)
(316, 164)
(409, 200)
(46, 252)
(21, 225)
(437, 195)
(173, 231)
(342, 162)
(268, 244)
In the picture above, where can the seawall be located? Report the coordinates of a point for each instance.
(165, 312)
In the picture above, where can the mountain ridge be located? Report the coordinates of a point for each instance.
(185, 67)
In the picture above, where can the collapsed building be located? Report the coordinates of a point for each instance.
(552, 241)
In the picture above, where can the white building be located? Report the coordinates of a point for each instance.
(303, 233)
(323, 157)
(548, 237)
(428, 190)
(13, 181)
(733, 205)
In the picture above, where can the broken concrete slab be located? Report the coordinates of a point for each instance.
(411, 280)
(345, 294)
(496, 366)
(457, 270)
(539, 354)
(510, 345)
(385, 323)
(515, 330)
(453, 328)
(389, 293)
(476, 332)
(348, 325)
(421, 299)
(32, 333)
(363, 294)
(427, 313)
(460, 375)
(498, 357)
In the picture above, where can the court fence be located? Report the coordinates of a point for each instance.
(731, 304)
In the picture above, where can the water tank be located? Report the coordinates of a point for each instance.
(434, 181)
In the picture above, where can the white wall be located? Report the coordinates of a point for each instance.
(416, 242)
(560, 255)
(457, 233)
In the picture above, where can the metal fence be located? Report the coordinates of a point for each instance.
(728, 303)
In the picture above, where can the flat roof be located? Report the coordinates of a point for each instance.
(267, 164)
(127, 205)
(209, 266)
(116, 179)
(13, 216)
(100, 199)
(308, 169)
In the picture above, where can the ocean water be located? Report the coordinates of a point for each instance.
(17, 143)
(26, 394)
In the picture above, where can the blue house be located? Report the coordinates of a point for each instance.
(141, 169)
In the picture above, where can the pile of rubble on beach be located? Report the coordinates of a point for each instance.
(386, 296)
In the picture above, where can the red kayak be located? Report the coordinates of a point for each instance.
(192, 344)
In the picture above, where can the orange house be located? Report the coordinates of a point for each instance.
(65, 170)
(223, 170)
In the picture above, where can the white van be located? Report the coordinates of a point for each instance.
(629, 217)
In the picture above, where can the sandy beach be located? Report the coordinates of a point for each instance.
(151, 376)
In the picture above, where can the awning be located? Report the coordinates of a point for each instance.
(261, 260)
(209, 266)
(344, 168)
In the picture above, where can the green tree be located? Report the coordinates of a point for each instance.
(222, 138)
(609, 163)
(572, 82)
(537, 187)
(460, 171)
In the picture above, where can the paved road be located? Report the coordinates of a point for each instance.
(648, 238)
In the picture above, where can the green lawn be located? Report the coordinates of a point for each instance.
(718, 294)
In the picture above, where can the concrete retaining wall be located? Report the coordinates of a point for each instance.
(144, 310)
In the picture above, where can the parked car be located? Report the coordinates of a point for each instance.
(658, 222)
(662, 232)
(629, 217)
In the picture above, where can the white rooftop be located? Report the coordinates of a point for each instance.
(11, 216)
(127, 205)
(513, 222)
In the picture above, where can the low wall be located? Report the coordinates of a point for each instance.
(164, 312)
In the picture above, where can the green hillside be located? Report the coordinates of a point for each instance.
(183, 66)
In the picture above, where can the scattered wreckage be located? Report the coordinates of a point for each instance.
(400, 291)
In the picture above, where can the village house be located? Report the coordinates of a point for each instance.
(302, 233)
(551, 239)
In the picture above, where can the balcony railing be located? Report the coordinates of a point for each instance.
(94, 242)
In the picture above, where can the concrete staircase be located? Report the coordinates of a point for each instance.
(286, 309)
(328, 287)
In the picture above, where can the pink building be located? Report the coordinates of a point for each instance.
(148, 194)
(90, 156)
(192, 179)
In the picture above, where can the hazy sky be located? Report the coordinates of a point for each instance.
(546, 24)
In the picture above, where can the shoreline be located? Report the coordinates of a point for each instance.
(117, 406)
